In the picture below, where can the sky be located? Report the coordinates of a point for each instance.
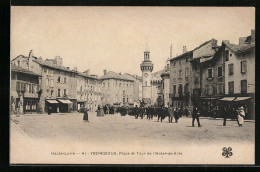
(114, 38)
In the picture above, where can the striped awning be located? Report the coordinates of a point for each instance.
(52, 101)
(64, 101)
(242, 98)
(229, 99)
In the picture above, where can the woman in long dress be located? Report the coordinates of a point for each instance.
(240, 116)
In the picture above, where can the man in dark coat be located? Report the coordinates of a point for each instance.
(195, 115)
(176, 115)
(85, 113)
(224, 114)
(136, 111)
(49, 110)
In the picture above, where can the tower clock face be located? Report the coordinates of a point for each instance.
(145, 75)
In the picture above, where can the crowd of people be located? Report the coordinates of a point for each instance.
(163, 112)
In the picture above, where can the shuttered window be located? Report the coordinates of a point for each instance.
(231, 69)
(243, 66)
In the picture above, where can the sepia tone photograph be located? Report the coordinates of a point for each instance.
(132, 85)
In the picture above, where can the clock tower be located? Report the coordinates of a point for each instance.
(146, 68)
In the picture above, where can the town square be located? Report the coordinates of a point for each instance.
(128, 85)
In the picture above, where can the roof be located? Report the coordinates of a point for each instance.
(19, 56)
(189, 52)
(22, 70)
(113, 75)
(239, 48)
(52, 65)
(85, 75)
(158, 72)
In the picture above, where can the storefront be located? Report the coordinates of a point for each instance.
(53, 104)
(65, 105)
(80, 104)
(30, 105)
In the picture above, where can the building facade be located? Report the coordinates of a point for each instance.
(24, 90)
(117, 89)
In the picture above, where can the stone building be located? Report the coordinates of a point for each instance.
(57, 84)
(166, 84)
(24, 89)
(185, 74)
(157, 91)
(137, 87)
(88, 91)
(117, 90)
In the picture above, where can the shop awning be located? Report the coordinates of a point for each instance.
(228, 99)
(209, 98)
(241, 98)
(52, 101)
(65, 101)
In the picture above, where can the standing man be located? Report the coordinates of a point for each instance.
(49, 110)
(85, 113)
(240, 116)
(176, 115)
(195, 115)
(170, 114)
(224, 113)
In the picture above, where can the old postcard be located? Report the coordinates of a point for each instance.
(132, 85)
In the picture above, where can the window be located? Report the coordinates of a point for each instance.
(243, 66)
(23, 87)
(243, 86)
(18, 63)
(47, 82)
(80, 88)
(187, 73)
(180, 62)
(230, 69)
(220, 89)
(174, 63)
(180, 89)
(145, 83)
(186, 88)
(104, 85)
(33, 88)
(30, 88)
(220, 73)
(51, 82)
(58, 80)
(65, 92)
(226, 55)
(180, 74)
(47, 72)
(208, 89)
(107, 85)
(231, 87)
(58, 92)
(50, 72)
(210, 73)
(64, 80)
(119, 84)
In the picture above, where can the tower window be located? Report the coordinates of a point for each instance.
(145, 83)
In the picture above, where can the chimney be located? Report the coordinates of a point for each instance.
(119, 73)
(242, 40)
(75, 69)
(40, 58)
(184, 49)
(87, 72)
(105, 71)
(225, 41)
(58, 60)
(214, 43)
(252, 36)
(31, 54)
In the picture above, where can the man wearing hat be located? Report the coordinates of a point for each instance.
(240, 116)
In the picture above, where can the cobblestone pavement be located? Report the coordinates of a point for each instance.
(115, 131)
